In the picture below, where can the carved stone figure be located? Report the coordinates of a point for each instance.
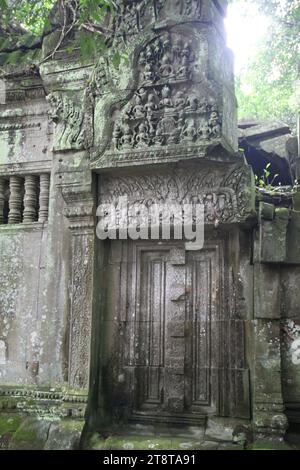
(180, 102)
(138, 110)
(166, 102)
(189, 131)
(68, 118)
(166, 69)
(149, 74)
(126, 139)
(117, 134)
(192, 103)
(204, 131)
(142, 138)
(214, 123)
(184, 70)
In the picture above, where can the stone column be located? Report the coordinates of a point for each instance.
(44, 197)
(15, 200)
(30, 199)
(2, 200)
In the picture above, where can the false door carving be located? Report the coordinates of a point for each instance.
(163, 331)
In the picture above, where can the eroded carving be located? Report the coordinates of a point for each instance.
(224, 197)
(74, 129)
(167, 107)
(134, 16)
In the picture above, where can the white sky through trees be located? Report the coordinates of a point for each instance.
(245, 27)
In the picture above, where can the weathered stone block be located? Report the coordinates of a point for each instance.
(266, 211)
(31, 435)
(266, 292)
(64, 435)
(293, 239)
(273, 237)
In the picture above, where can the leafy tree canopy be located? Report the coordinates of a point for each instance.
(267, 88)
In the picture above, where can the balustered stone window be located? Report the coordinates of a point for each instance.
(24, 199)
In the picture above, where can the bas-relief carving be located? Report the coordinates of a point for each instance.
(73, 122)
(82, 255)
(172, 103)
(224, 196)
(167, 108)
(134, 16)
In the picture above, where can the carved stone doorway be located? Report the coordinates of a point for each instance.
(161, 332)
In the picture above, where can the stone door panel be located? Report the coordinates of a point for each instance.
(163, 331)
(158, 328)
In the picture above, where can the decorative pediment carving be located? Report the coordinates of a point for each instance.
(172, 105)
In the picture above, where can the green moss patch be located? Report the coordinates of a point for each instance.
(31, 435)
(9, 423)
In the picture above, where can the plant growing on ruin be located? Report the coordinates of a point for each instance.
(264, 180)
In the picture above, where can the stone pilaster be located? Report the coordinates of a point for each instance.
(79, 211)
(44, 197)
(30, 199)
(2, 199)
(15, 200)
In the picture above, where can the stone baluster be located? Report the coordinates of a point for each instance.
(44, 197)
(30, 199)
(15, 200)
(2, 199)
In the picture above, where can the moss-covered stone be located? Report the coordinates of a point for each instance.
(9, 423)
(31, 435)
(271, 446)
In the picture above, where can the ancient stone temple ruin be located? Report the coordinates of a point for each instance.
(140, 338)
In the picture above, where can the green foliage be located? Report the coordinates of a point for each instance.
(31, 14)
(269, 87)
(85, 15)
(264, 181)
(34, 15)
(93, 10)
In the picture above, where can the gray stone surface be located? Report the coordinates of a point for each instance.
(200, 347)
(64, 435)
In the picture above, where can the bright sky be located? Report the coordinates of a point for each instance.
(245, 27)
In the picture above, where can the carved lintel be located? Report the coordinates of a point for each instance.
(223, 193)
